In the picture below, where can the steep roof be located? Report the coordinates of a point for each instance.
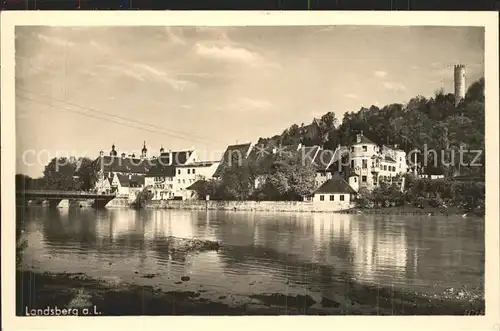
(133, 181)
(363, 140)
(197, 186)
(161, 170)
(125, 165)
(232, 151)
(387, 158)
(335, 185)
(310, 128)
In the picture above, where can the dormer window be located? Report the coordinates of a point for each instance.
(365, 148)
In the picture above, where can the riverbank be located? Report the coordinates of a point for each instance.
(111, 299)
(411, 210)
(310, 207)
(264, 206)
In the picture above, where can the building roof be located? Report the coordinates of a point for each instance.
(335, 185)
(363, 140)
(178, 157)
(310, 128)
(200, 164)
(232, 151)
(197, 186)
(393, 147)
(161, 170)
(124, 165)
(389, 159)
(133, 181)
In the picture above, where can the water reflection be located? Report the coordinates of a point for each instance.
(261, 251)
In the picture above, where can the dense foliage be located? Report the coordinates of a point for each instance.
(281, 178)
(142, 198)
(423, 192)
(422, 124)
(67, 174)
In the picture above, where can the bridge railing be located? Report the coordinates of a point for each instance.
(59, 192)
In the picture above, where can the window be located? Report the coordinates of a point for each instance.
(194, 171)
(364, 164)
(355, 179)
(363, 179)
(179, 171)
(365, 148)
(352, 149)
(341, 197)
(321, 198)
(189, 171)
(385, 167)
(178, 181)
(400, 159)
(332, 197)
(352, 163)
(183, 181)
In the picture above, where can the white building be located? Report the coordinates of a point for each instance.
(371, 164)
(188, 174)
(335, 191)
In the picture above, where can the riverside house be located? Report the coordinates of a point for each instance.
(334, 191)
(162, 179)
(371, 164)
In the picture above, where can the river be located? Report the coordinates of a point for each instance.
(261, 252)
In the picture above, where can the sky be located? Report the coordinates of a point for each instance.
(81, 89)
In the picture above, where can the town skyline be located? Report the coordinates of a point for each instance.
(197, 76)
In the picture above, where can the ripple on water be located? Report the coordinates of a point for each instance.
(261, 253)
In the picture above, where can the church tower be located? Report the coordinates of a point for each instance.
(113, 151)
(144, 151)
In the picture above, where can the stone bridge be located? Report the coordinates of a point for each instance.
(55, 197)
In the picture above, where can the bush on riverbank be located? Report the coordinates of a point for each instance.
(424, 193)
(142, 198)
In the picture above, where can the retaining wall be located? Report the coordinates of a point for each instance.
(276, 206)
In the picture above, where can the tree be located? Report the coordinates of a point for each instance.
(237, 181)
(142, 198)
(87, 173)
(60, 174)
(289, 179)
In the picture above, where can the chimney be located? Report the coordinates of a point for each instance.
(101, 153)
(123, 155)
(358, 138)
(133, 155)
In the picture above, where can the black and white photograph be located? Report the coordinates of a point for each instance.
(251, 169)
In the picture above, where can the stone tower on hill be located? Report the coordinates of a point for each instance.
(459, 80)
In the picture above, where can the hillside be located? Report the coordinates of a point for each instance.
(422, 123)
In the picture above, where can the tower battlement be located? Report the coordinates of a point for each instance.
(459, 66)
